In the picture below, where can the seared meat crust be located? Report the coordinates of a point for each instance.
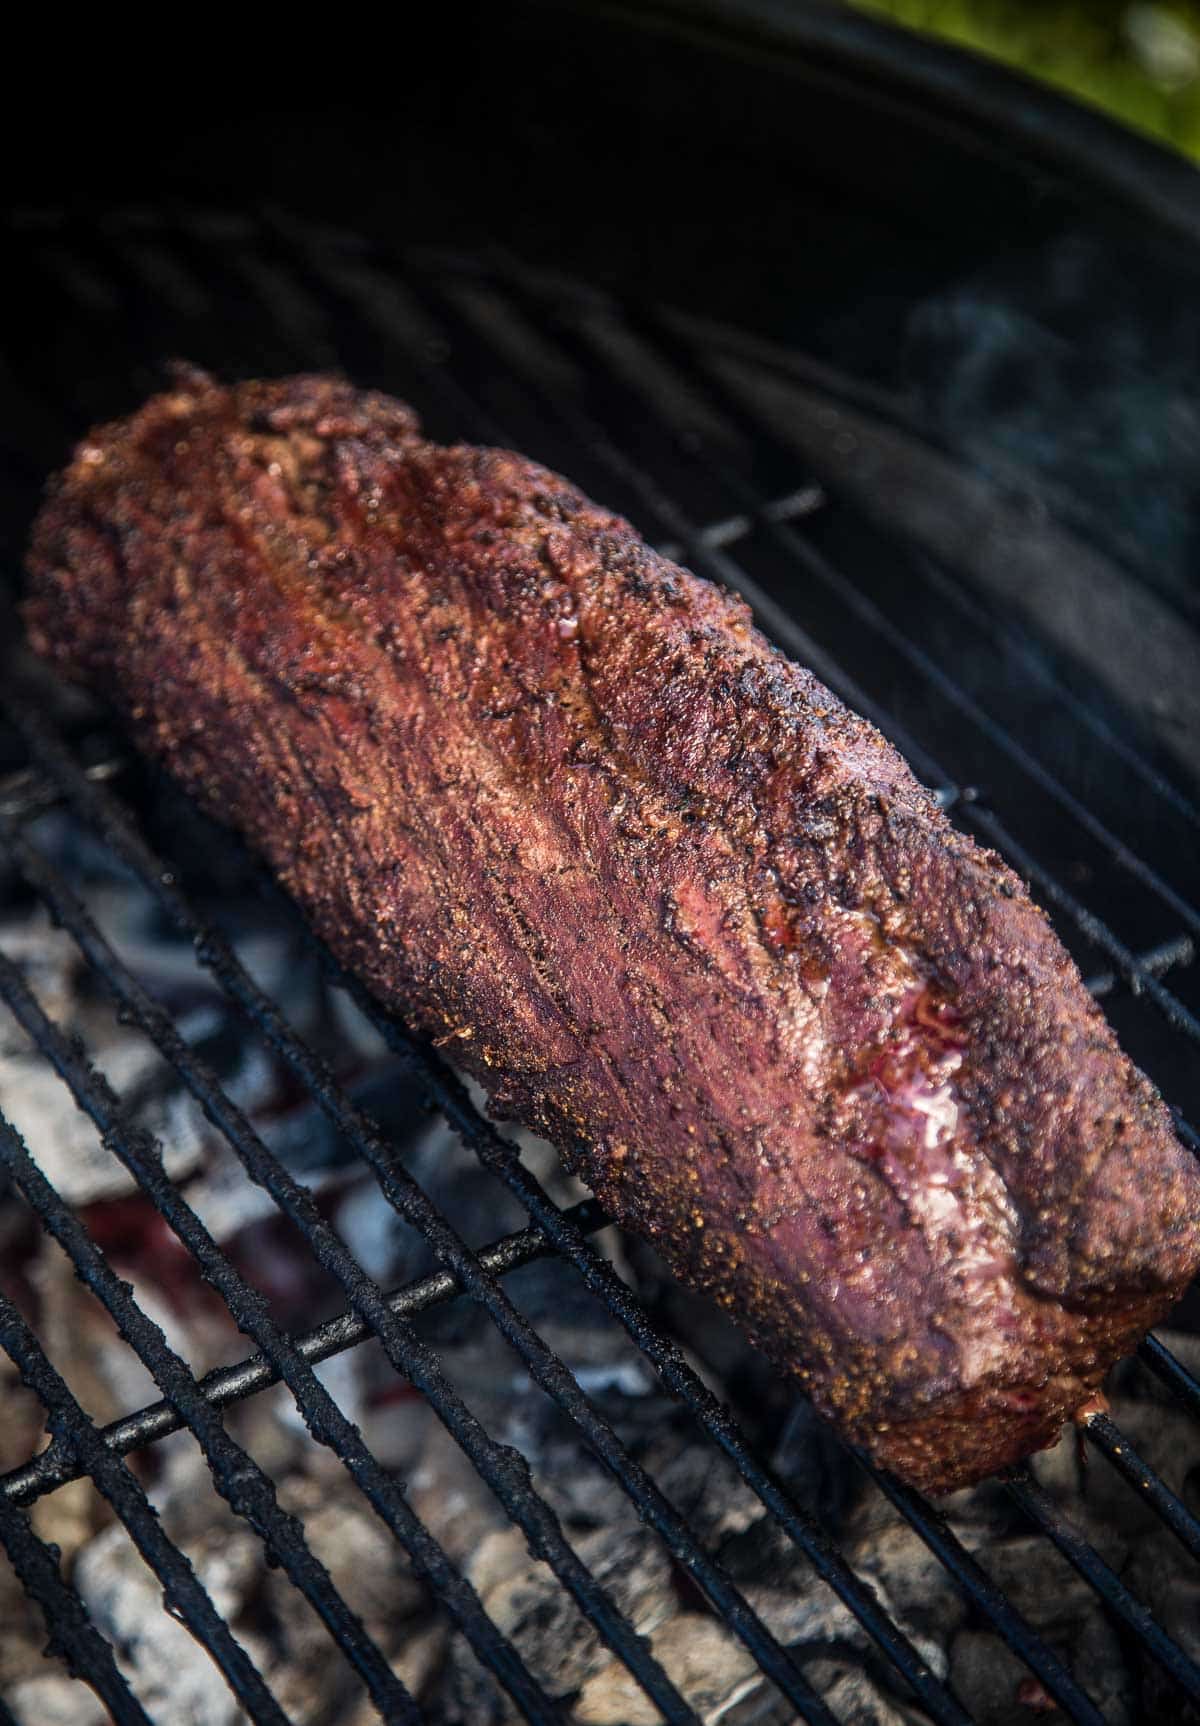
(558, 803)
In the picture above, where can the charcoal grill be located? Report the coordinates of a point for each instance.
(753, 380)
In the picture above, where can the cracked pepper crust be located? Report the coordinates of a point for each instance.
(557, 802)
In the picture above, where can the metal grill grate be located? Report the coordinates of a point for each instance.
(505, 356)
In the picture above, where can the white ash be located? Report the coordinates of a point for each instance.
(371, 1229)
(61, 1140)
(168, 1671)
(51, 1700)
(711, 1667)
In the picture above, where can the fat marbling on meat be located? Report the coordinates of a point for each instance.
(558, 803)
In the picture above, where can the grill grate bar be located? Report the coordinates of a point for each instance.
(73, 1636)
(506, 1472)
(1141, 980)
(226, 1385)
(183, 1593)
(1172, 1373)
(592, 437)
(1039, 673)
(979, 1588)
(24, 795)
(1040, 1508)
(1164, 956)
(102, 812)
(239, 1480)
(325, 1419)
(1113, 1444)
(504, 1469)
(574, 338)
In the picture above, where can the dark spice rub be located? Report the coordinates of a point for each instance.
(557, 802)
